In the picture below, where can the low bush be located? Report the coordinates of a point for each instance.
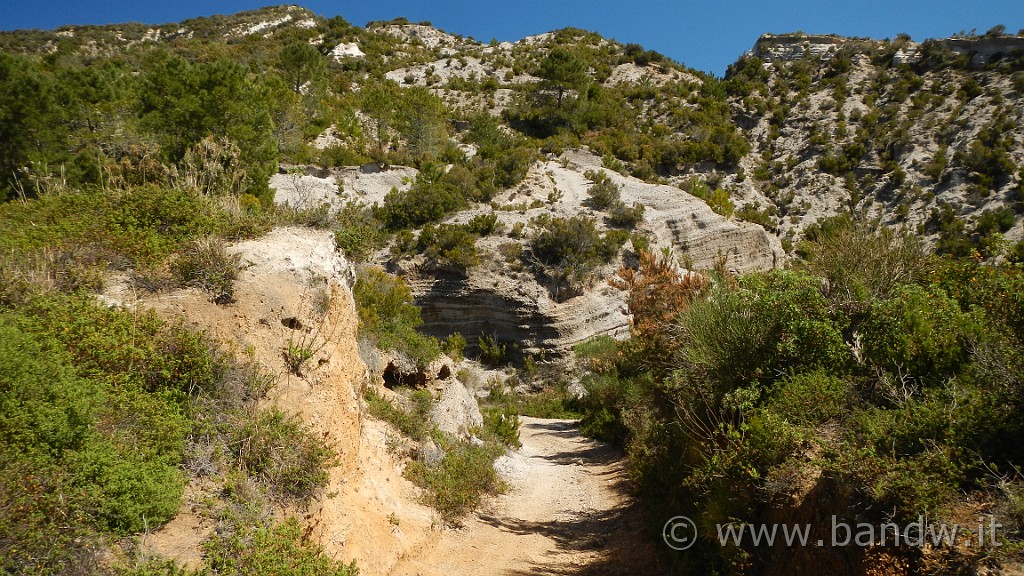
(278, 450)
(484, 224)
(603, 193)
(859, 261)
(626, 216)
(454, 346)
(449, 244)
(753, 213)
(388, 317)
(493, 352)
(570, 248)
(457, 484)
(207, 265)
(502, 424)
(271, 548)
(357, 232)
(428, 200)
(465, 474)
(413, 422)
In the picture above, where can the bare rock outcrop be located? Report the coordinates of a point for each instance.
(456, 411)
(797, 46)
(514, 304)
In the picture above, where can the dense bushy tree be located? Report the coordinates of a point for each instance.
(429, 199)
(562, 71)
(421, 120)
(299, 63)
(184, 102)
(571, 247)
(31, 121)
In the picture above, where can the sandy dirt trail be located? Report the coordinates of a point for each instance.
(565, 512)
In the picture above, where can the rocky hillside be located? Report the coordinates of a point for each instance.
(722, 172)
(927, 135)
(921, 134)
(244, 260)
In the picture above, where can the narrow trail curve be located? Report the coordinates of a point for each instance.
(566, 512)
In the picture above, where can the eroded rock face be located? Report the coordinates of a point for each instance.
(456, 411)
(789, 47)
(516, 304)
(516, 309)
(513, 302)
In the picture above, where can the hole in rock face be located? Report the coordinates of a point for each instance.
(292, 323)
(393, 377)
(445, 373)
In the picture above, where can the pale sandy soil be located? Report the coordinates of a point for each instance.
(566, 512)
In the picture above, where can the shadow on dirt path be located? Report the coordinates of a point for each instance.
(567, 512)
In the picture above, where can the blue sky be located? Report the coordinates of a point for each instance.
(706, 35)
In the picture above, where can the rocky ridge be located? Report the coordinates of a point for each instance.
(891, 130)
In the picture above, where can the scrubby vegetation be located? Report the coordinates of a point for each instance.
(388, 317)
(463, 473)
(569, 248)
(102, 413)
(107, 414)
(870, 370)
(885, 377)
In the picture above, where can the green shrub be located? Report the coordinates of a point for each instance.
(357, 233)
(571, 247)
(775, 322)
(493, 353)
(626, 217)
(988, 163)
(157, 567)
(428, 200)
(454, 346)
(502, 423)
(598, 354)
(754, 213)
(720, 202)
(607, 398)
(271, 548)
(413, 422)
(919, 334)
(140, 227)
(449, 244)
(276, 448)
(73, 445)
(457, 484)
(388, 317)
(45, 407)
(483, 224)
(860, 261)
(811, 398)
(603, 193)
(296, 354)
